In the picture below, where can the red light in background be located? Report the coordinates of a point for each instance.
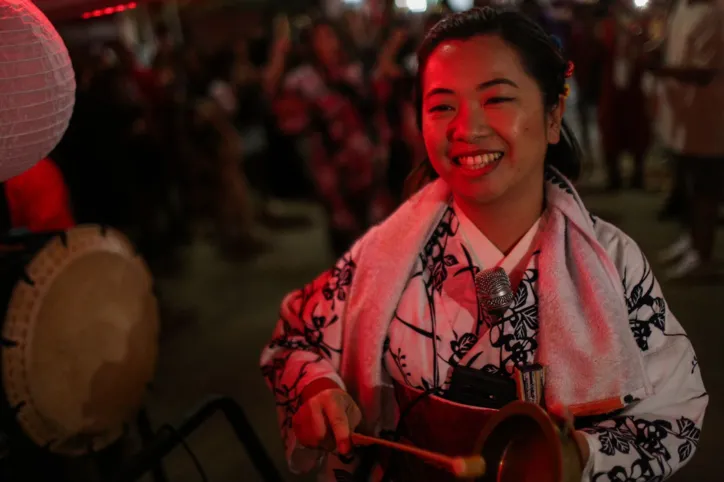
(109, 10)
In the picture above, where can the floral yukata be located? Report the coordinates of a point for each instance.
(437, 325)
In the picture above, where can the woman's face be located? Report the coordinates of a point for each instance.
(326, 45)
(483, 120)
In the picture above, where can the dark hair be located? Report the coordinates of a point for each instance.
(541, 57)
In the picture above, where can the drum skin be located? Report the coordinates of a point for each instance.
(80, 341)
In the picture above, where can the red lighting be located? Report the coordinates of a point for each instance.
(109, 10)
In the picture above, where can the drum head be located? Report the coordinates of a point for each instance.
(80, 341)
(521, 444)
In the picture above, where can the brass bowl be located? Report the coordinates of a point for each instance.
(521, 443)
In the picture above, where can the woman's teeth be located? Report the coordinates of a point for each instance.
(479, 161)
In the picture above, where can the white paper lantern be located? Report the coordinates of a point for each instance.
(37, 87)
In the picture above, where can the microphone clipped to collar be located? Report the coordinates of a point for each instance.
(494, 291)
(478, 388)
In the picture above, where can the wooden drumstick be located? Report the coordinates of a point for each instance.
(461, 467)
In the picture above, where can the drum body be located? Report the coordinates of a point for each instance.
(79, 339)
(436, 424)
(521, 443)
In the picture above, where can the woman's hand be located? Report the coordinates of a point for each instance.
(327, 417)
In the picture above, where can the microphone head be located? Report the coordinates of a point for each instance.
(495, 294)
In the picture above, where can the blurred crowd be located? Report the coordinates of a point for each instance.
(187, 142)
(205, 142)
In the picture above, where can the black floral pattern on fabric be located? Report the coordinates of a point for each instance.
(646, 308)
(513, 336)
(557, 181)
(434, 258)
(654, 443)
(307, 316)
(436, 261)
(288, 395)
(461, 345)
(340, 280)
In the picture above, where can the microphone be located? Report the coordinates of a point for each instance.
(494, 292)
(471, 386)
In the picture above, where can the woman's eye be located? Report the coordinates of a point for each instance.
(498, 100)
(440, 108)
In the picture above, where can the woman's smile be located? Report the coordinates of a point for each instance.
(478, 163)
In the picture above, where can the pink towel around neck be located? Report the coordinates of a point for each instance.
(586, 343)
(585, 338)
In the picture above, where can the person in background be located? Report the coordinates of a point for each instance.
(691, 116)
(36, 200)
(215, 146)
(586, 53)
(395, 75)
(622, 41)
(338, 120)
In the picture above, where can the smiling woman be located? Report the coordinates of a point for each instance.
(527, 53)
(398, 322)
(490, 105)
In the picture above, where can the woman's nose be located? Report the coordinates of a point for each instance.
(469, 124)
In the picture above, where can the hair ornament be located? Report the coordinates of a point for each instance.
(570, 67)
(566, 91)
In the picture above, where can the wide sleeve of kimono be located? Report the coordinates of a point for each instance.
(657, 435)
(306, 346)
